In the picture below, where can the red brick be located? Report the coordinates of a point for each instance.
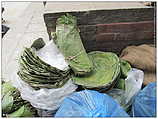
(117, 45)
(105, 36)
(87, 28)
(116, 42)
(140, 35)
(125, 27)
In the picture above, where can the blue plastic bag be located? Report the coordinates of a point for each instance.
(145, 102)
(90, 103)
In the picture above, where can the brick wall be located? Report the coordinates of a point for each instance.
(111, 30)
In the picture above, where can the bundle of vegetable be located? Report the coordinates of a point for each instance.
(106, 71)
(125, 68)
(39, 74)
(13, 105)
(69, 43)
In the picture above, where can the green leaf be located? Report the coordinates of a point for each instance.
(7, 103)
(38, 44)
(67, 19)
(125, 68)
(106, 70)
(39, 74)
(6, 87)
(70, 44)
(21, 112)
(120, 84)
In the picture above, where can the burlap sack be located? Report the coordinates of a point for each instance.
(142, 57)
(149, 77)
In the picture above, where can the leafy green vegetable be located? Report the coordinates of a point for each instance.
(120, 84)
(6, 87)
(67, 20)
(106, 70)
(125, 67)
(38, 44)
(7, 102)
(39, 74)
(12, 101)
(70, 44)
(23, 111)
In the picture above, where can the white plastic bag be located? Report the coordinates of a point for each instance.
(47, 99)
(133, 84)
(51, 55)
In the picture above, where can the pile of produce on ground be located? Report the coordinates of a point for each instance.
(49, 73)
(95, 70)
(44, 78)
(105, 72)
(38, 74)
(13, 105)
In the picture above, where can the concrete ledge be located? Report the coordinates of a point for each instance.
(69, 6)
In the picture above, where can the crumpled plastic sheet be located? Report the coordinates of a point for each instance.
(144, 104)
(46, 113)
(48, 99)
(51, 55)
(89, 103)
(133, 84)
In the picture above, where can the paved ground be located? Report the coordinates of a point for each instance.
(28, 25)
(27, 28)
(13, 10)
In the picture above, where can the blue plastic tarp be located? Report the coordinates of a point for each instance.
(144, 104)
(90, 103)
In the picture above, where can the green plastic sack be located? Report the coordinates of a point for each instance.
(70, 44)
(105, 72)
